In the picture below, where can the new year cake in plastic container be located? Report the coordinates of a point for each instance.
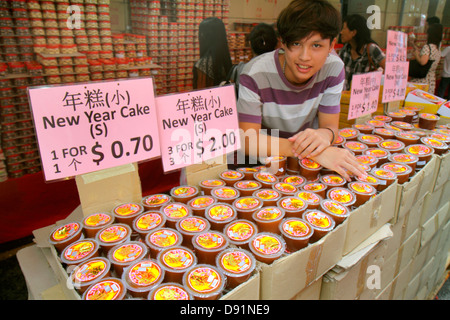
(342, 195)
(169, 291)
(174, 212)
(154, 202)
(63, 235)
(269, 197)
(220, 214)
(267, 179)
(237, 265)
(200, 203)
(321, 222)
(106, 289)
(276, 165)
(161, 239)
(267, 247)
(204, 282)
(94, 222)
(386, 177)
(142, 276)
(191, 226)
(231, 177)
(207, 185)
(336, 210)
(309, 169)
(239, 232)
(113, 235)
(147, 222)
(312, 199)
(125, 254)
(208, 244)
(403, 171)
(363, 192)
(423, 152)
(127, 212)
(80, 251)
(428, 121)
(184, 193)
(89, 272)
(296, 233)
(292, 206)
(225, 194)
(175, 261)
(247, 187)
(245, 206)
(268, 218)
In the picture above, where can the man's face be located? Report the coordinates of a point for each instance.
(306, 57)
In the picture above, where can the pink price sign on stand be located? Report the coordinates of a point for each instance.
(364, 94)
(197, 126)
(92, 126)
(395, 81)
(396, 47)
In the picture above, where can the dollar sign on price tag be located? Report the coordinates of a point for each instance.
(93, 126)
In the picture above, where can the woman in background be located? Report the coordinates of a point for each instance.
(430, 51)
(360, 53)
(214, 64)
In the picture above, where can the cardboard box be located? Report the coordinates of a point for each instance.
(416, 188)
(412, 288)
(422, 99)
(370, 217)
(432, 225)
(311, 292)
(354, 275)
(287, 276)
(396, 289)
(442, 171)
(248, 290)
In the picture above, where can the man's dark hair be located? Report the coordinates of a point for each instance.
(302, 17)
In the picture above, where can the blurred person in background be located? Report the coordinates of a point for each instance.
(360, 53)
(444, 85)
(430, 51)
(215, 62)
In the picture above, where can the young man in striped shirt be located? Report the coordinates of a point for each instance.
(289, 99)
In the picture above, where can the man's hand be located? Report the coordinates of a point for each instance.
(310, 142)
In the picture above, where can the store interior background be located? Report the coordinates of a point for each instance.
(31, 202)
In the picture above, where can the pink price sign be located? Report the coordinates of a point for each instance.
(197, 126)
(396, 48)
(364, 94)
(395, 81)
(92, 126)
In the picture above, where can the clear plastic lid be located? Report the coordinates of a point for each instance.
(128, 210)
(296, 228)
(247, 203)
(265, 177)
(391, 145)
(231, 176)
(402, 125)
(319, 220)
(106, 289)
(349, 133)
(211, 241)
(186, 192)
(193, 225)
(240, 231)
(220, 213)
(126, 253)
(211, 183)
(201, 202)
(367, 159)
(156, 201)
(342, 195)
(309, 197)
(362, 188)
(143, 275)
(356, 146)
(267, 245)
(334, 208)
(267, 195)
(316, 187)
(225, 193)
(378, 153)
(90, 271)
(309, 164)
(79, 251)
(149, 221)
(247, 185)
(268, 214)
(371, 139)
(419, 150)
(175, 211)
(405, 158)
(434, 143)
(177, 259)
(285, 188)
(292, 204)
(383, 174)
(295, 180)
(113, 234)
(333, 180)
(97, 220)
(169, 291)
(236, 262)
(66, 232)
(397, 168)
(163, 238)
(204, 281)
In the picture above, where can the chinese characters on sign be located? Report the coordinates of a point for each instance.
(396, 67)
(364, 94)
(89, 127)
(395, 81)
(197, 126)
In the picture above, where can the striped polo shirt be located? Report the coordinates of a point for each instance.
(268, 98)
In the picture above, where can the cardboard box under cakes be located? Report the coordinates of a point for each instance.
(416, 188)
(369, 217)
(286, 277)
(442, 171)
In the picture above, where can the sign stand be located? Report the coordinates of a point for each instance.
(102, 190)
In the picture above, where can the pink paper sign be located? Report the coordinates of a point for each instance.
(395, 81)
(197, 126)
(364, 94)
(92, 126)
(396, 47)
